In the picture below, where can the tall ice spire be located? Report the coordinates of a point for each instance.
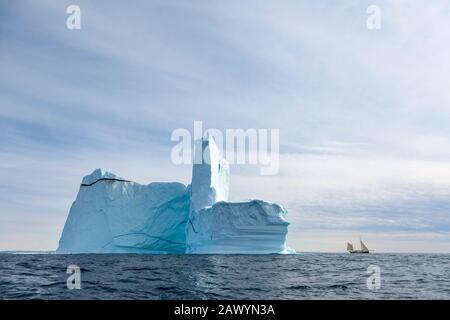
(210, 175)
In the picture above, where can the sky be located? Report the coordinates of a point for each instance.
(363, 114)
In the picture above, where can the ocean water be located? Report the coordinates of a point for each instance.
(301, 276)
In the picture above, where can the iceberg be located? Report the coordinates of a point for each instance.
(115, 215)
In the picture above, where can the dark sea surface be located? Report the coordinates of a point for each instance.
(301, 276)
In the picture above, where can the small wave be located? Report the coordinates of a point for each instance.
(299, 287)
(53, 284)
(25, 265)
(140, 269)
(169, 288)
(337, 286)
(254, 289)
(127, 280)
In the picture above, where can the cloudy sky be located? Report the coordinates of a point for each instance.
(363, 114)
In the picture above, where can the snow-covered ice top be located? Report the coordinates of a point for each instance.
(99, 174)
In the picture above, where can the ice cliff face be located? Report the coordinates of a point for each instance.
(111, 214)
(241, 227)
(114, 215)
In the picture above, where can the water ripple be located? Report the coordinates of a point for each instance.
(303, 276)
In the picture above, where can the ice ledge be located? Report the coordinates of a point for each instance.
(250, 227)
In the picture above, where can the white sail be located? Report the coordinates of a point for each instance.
(349, 246)
(363, 247)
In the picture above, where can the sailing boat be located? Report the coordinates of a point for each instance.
(364, 249)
